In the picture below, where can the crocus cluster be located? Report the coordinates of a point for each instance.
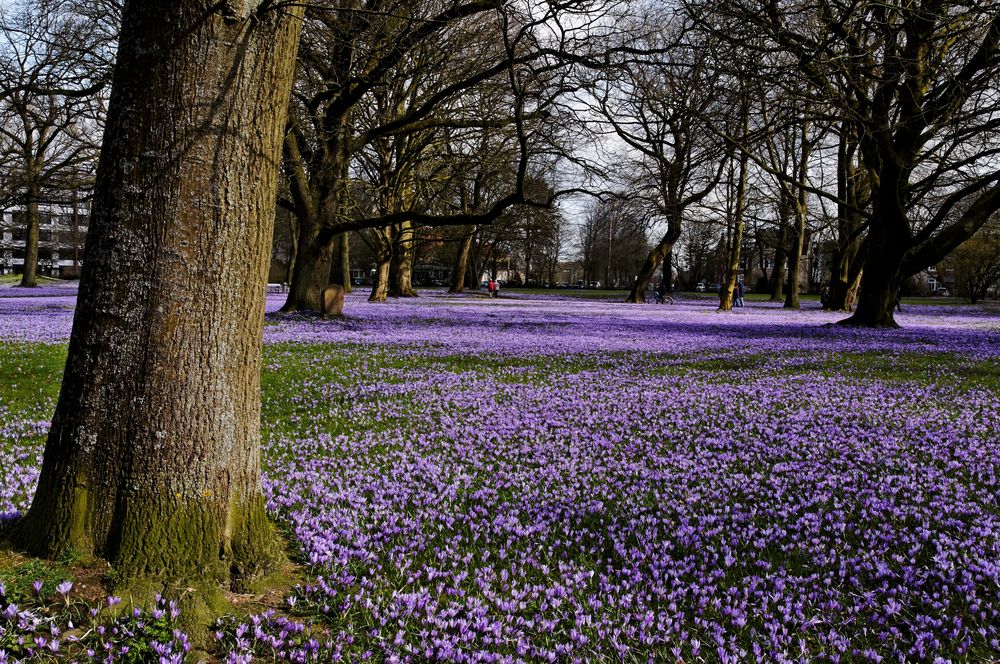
(548, 479)
(52, 626)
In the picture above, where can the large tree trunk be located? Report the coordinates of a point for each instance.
(472, 271)
(380, 286)
(153, 460)
(883, 268)
(318, 206)
(461, 264)
(29, 277)
(313, 264)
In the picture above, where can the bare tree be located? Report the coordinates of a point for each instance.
(52, 62)
(918, 81)
(613, 241)
(656, 107)
(350, 55)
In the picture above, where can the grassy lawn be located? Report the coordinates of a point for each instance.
(15, 279)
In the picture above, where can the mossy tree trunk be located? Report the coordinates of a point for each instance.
(153, 459)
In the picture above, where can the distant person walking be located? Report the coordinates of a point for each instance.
(491, 287)
(824, 297)
(496, 289)
(739, 294)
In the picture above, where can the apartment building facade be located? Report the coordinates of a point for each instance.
(61, 236)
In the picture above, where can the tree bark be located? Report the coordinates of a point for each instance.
(345, 261)
(472, 271)
(29, 276)
(733, 250)
(668, 272)
(318, 206)
(799, 201)
(401, 266)
(383, 259)
(882, 269)
(153, 459)
(380, 286)
(313, 263)
(461, 264)
(340, 271)
(853, 192)
(845, 276)
(779, 271)
(726, 291)
(293, 252)
(795, 261)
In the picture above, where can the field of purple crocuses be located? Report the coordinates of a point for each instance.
(538, 479)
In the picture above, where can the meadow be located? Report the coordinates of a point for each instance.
(552, 479)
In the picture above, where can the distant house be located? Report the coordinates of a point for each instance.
(61, 237)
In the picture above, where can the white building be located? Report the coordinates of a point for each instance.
(61, 235)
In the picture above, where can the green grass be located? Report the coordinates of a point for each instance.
(30, 375)
(14, 279)
(17, 576)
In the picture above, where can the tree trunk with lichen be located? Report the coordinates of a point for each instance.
(153, 459)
